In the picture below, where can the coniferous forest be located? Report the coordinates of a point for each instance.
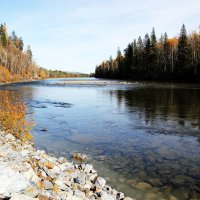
(175, 59)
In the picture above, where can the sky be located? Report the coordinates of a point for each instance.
(77, 35)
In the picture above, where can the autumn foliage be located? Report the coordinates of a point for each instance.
(5, 75)
(164, 59)
(13, 116)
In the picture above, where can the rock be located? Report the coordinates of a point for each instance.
(61, 184)
(43, 197)
(79, 194)
(79, 157)
(88, 168)
(31, 175)
(143, 186)
(25, 153)
(62, 160)
(44, 130)
(172, 197)
(63, 167)
(27, 174)
(128, 198)
(150, 196)
(92, 177)
(11, 181)
(32, 191)
(106, 196)
(21, 197)
(48, 185)
(10, 137)
(100, 182)
(120, 196)
(48, 165)
(56, 170)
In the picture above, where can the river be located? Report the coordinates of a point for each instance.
(142, 137)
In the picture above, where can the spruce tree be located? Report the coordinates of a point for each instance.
(182, 50)
(3, 35)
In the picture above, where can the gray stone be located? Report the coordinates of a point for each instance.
(143, 186)
(79, 194)
(48, 185)
(11, 181)
(56, 170)
(120, 195)
(25, 153)
(10, 137)
(31, 175)
(21, 197)
(61, 185)
(62, 160)
(106, 196)
(88, 168)
(100, 182)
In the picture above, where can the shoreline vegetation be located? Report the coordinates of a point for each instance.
(17, 64)
(174, 59)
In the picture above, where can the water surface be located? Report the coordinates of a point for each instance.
(133, 133)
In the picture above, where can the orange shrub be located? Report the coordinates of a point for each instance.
(13, 116)
(5, 75)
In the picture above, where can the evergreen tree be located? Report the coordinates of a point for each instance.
(166, 59)
(3, 35)
(128, 61)
(182, 51)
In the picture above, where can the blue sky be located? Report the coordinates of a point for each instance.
(76, 35)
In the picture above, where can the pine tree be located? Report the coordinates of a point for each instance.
(153, 53)
(3, 35)
(182, 50)
(129, 61)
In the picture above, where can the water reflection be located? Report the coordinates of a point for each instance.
(154, 104)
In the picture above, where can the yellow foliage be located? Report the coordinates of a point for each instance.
(5, 75)
(13, 116)
(173, 41)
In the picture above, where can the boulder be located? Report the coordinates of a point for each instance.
(21, 197)
(100, 182)
(11, 181)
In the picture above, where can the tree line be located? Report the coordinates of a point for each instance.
(176, 59)
(17, 63)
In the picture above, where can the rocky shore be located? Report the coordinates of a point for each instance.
(27, 173)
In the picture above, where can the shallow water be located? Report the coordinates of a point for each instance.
(143, 137)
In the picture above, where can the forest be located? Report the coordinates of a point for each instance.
(17, 63)
(163, 59)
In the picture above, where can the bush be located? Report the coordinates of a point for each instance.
(5, 75)
(13, 116)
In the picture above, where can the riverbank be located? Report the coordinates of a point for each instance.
(19, 81)
(27, 173)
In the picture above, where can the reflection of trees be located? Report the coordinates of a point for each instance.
(151, 103)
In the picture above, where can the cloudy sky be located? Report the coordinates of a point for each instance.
(76, 35)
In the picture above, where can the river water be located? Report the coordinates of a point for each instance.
(143, 137)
